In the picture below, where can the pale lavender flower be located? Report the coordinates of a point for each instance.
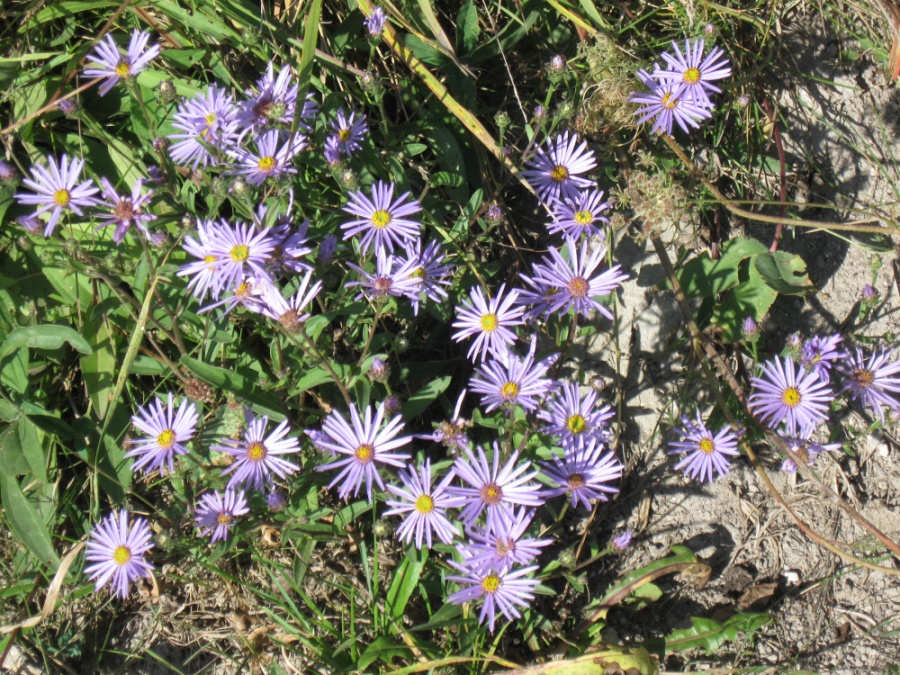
(580, 216)
(692, 73)
(327, 247)
(452, 432)
(57, 190)
(204, 271)
(662, 104)
(125, 211)
(623, 541)
(392, 277)
(429, 269)
(365, 444)
(257, 455)
(216, 513)
(382, 220)
(708, 453)
(248, 294)
(490, 321)
(749, 327)
(510, 381)
(584, 473)
(575, 421)
(873, 379)
(423, 506)
(784, 392)
(493, 488)
(556, 173)
(795, 341)
(348, 132)
(332, 152)
(819, 352)
(504, 545)
(869, 292)
(117, 552)
(272, 158)
(290, 313)
(274, 101)
(8, 173)
(506, 591)
(239, 251)
(113, 66)
(807, 450)
(276, 500)
(207, 126)
(375, 22)
(167, 432)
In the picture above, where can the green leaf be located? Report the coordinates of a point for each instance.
(406, 578)
(310, 37)
(14, 372)
(784, 272)
(26, 524)
(238, 385)
(753, 297)
(383, 648)
(419, 401)
(348, 514)
(99, 367)
(446, 178)
(467, 27)
(704, 277)
(47, 336)
(711, 635)
(312, 378)
(21, 451)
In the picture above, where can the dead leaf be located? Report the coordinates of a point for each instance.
(756, 594)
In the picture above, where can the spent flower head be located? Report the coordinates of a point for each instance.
(584, 473)
(872, 379)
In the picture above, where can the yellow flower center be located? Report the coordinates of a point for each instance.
(123, 69)
(576, 481)
(490, 584)
(418, 273)
(791, 397)
(863, 377)
(224, 519)
(491, 493)
(509, 390)
(266, 164)
(489, 322)
(706, 445)
(121, 555)
(210, 119)
(210, 261)
(692, 75)
(576, 423)
(240, 253)
(584, 217)
(381, 219)
(244, 290)
(424, 504)
(344, 135)
(257, 452)
(62, 197)
(166, 439)
(364, 454)
(668, 101)
(559, 173)
(578, 287)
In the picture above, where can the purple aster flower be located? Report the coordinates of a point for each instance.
(707, 452)
(504, 546)
(382, 220)
(493, 488)
(348, 132)
(662, 103)
(749, 327)
(578, 287)
(113, 66)
(556, 172)
(55, 190)
(786, 393)
(8, 173)
(392, 277)
(807, 450)
(795, 341)
(818, 353)
(580, 216)
(575, 421)
(429, 270)
(257, 455)
(623, 541)
(125, 211)
(216, 513)
(327, 248)
(208, 126)
(167, 432)
(490, 321)
(365, 444)
(872, 379)
(270, 160)
(274, 101)
(31, 224)
(332, 152)
(423, 506)
(511, 381)
(248, 294)
(869, 292)
(692, 73)
(117, 552)
(290, 313)
(375, 22)
(239, 251)
(504, 590)
(584, 473)
(452, 432)
(276, 500)
(203, 272)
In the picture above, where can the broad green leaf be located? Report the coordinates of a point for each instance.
(703, 276)
(467, 27)
(47, 336)
(784, 272)
(21, 445)
(14, 372)
(12, 459)
(238, 385)
(446, 178)
(26, 524)
(753, 297)
(99, 367)
(310, 39)
(348, 514)
(384, 648)
(312, 378)
(71, 287)
(406, 578)
(419, 401)
(712, 635)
